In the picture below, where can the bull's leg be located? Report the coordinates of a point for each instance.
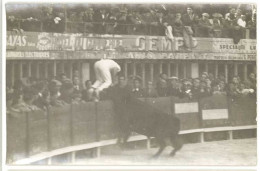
(162, 144)
(176, 144)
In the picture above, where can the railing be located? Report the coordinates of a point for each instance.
(123, 29)
(37, 135)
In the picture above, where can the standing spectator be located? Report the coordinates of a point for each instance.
(174, 88)
(150, 90)
(204, 28)
(122, 22)
(187, 89)
(217, 26)
(88, 18)
(102, 18)
(252, 28)
(112, 24)
(190, 20)
(178, 26)
(12, 23)
(162, 85)
(137, 90)
(196, 89)
(252, 81)
(87, 93)
(234, 88)
(76, 89)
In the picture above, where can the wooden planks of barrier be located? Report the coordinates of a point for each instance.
(37, 131)
(214, 111)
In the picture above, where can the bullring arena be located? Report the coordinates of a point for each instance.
(202, 72)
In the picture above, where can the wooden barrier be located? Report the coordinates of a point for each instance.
(63, 129)
(214, 111)
(84, 123)
(37, 132)
(243, 110)
(17, 136)
(188, 112)
(60, 129)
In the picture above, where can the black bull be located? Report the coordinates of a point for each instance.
(134, 115)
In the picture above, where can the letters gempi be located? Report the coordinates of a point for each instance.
(159, 43)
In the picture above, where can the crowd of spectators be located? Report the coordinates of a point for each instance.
(124, 19)
(29, 94)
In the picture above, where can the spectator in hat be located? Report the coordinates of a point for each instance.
(174, 88)
(105, 71)
(123, 21)
(178, 26)
(204, 28)
(87, 93)
(102, 18)
(196, 88)
(76, 89)
(187, 89)
(137, 90)
(217, 25)
(162, 85)
(190, 20)
(150, 91)
(67, 91)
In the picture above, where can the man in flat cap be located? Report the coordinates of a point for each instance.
(205, 28)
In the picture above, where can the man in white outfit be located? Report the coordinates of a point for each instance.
(105, 70)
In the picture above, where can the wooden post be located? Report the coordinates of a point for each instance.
(148, 143)
(54, 69)
(143, 74)
(216, 70)
(176, 70)
(207, 67)
(169, 69)
(226, 73)
(185, 70)
(160, 68)
(202, 137)
(230, 135)
(125, 69)
(245, 72)
(134, 68)
(235, 69)
(151, 71)
(12, 73)
(37, 69)
(46, 68)
(20, 70)
(29, 69)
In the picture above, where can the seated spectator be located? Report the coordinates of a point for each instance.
(66, 91)
(87, 93)
(234, 88)
(162, 85)
(88, 18)
(216, 23)
(196, 89)
(76, 89)
(101, 18)
(12, 23)
(150, 91)
(178, 26)
(112, 24)
(137, 91)
(55, 94)
(245, 89)
(252, 81)
(205, 90)
(187, 89)
(123, 20)
(43, 101)
(204, 28)
(174, 88)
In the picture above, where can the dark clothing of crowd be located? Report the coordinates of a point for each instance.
(147, 21)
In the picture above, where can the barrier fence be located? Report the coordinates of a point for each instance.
(35, 132)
